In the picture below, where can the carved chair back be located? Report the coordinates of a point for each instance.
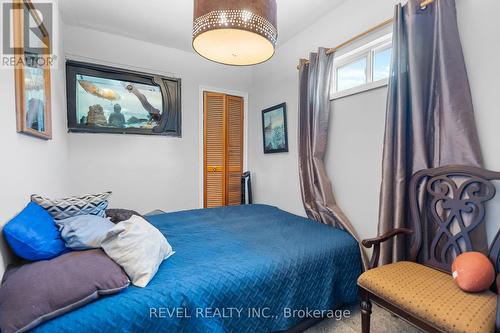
(447, 207)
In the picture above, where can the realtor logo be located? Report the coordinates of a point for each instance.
(27, 33)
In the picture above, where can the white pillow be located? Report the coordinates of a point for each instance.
(138, 247)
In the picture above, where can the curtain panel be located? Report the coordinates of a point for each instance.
(315, 79)
(430, 117)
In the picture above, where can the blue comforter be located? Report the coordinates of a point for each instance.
(236, 269)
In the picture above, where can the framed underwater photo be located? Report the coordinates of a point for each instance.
(274, 130)
(104, 99)
(31, 71)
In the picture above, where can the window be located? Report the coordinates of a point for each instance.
(381, 64)
(363, 68)
(352, 74)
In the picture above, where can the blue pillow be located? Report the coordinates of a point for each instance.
(84, 232)
(33, 235)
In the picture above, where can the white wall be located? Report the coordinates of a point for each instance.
(354, 156)
(357, 122)
(479, 30)
(146, 172)
(30, 165)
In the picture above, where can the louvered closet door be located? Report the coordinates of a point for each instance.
(223, 149)
(234, 149)
(214, 149)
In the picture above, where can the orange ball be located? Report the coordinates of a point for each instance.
(473, 272)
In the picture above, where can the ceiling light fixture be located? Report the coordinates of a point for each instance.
(235, 32)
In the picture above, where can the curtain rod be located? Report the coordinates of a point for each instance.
(331, 50)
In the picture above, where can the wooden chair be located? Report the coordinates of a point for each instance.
(453, 206)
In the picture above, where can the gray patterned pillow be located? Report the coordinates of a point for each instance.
(92, 204)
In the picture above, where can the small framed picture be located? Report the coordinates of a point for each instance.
(274, 130)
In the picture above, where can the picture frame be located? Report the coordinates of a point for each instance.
(31, 73)
(274, 129)
(104, 99)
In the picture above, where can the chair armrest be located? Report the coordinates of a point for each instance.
(388, 235)
(375, 242)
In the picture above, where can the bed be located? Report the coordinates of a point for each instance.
(250, 268)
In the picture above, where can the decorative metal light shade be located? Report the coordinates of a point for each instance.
(235, 32)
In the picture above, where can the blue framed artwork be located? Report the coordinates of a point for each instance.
(274, 130)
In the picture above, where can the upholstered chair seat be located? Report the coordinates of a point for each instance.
(432, 296)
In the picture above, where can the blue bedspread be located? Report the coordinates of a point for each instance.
(236, 269)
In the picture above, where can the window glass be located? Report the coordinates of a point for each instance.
(112, 103)
(352, 74)
(381, 64)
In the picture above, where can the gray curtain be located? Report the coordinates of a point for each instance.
(430, 117)
(314, 113)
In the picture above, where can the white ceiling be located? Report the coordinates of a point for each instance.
(169, 22)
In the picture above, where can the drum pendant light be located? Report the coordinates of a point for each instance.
(235, 32)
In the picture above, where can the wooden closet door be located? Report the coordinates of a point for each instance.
(234, 149)
(214, 149)
(223, 149)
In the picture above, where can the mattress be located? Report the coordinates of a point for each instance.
(252, 268)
